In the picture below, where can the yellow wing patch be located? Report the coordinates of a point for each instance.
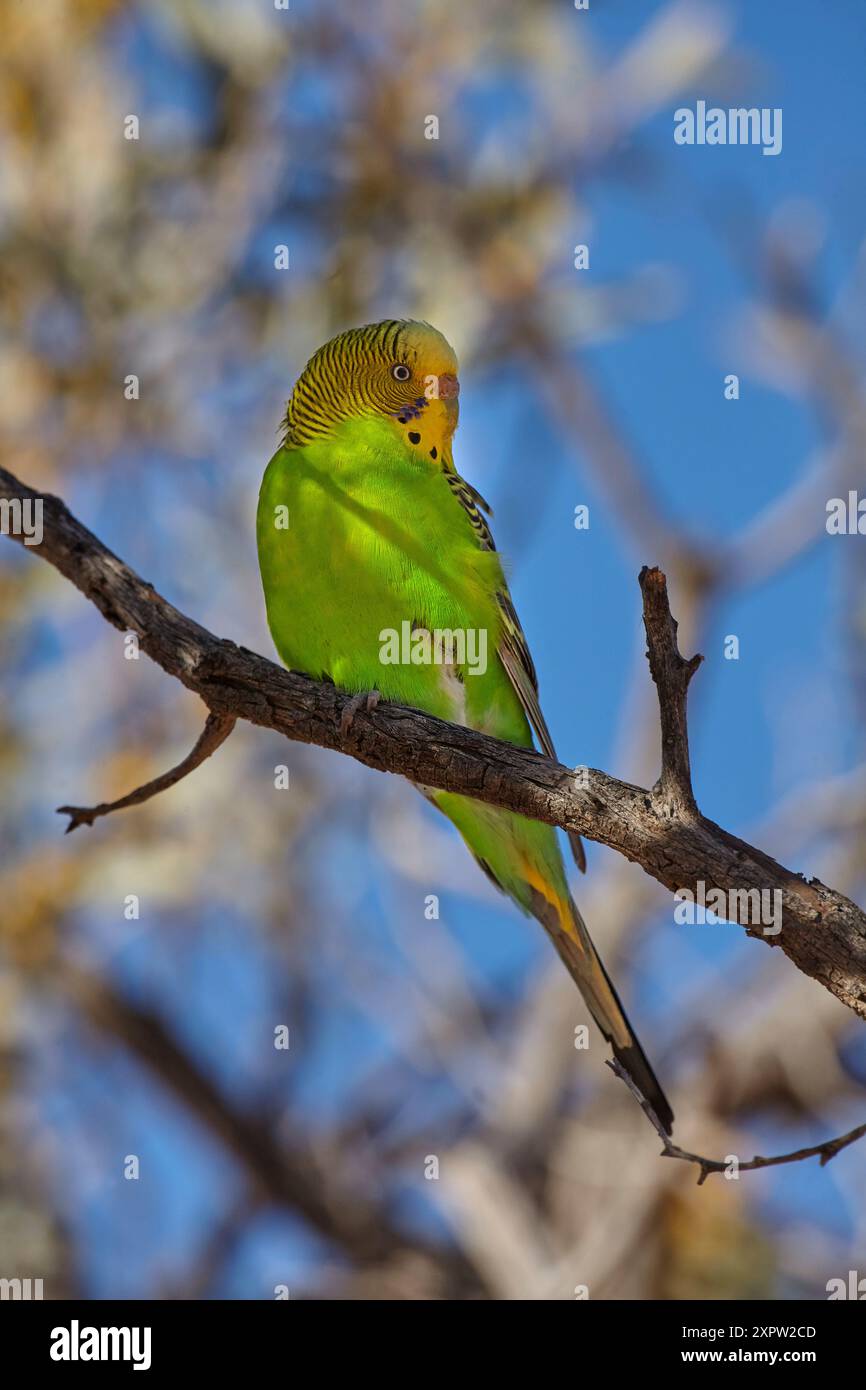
(560, 905)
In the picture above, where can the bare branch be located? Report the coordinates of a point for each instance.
(671, 673)
(216, 731)
(824, 1151)
(821, 930)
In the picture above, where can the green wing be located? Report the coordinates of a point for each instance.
(513, 648)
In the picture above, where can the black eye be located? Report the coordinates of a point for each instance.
(400, 372)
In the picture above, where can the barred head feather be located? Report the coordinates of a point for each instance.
(354, 374)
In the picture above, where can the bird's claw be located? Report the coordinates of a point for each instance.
(366, 700)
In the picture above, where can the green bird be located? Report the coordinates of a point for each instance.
(380, 574)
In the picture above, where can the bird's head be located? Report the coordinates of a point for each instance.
(401, 370)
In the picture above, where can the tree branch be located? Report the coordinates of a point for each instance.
(672, 674)
(216, 730)
(825, 1151)
(822, 931)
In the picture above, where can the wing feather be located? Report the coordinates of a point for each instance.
(513, 648)
(516, 658)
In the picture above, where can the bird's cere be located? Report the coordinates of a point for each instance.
(449, 386)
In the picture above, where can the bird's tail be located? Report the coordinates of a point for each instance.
(567, 930)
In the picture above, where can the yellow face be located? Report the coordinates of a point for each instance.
(403, 370)
(428, 418)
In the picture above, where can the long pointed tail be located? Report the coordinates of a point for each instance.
(567, 930)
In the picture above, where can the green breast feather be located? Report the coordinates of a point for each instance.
(363, 545)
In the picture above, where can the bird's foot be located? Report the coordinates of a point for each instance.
(366, 700)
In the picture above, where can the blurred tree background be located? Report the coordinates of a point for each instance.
(431, 1130)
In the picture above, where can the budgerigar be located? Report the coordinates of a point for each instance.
(380, 574)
